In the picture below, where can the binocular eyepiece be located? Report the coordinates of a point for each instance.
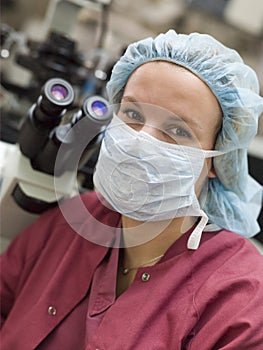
(42, 133)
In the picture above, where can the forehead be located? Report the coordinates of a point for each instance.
(167, 80)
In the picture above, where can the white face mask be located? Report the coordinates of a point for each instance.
(147, 179)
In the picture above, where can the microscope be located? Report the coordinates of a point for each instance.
(63, 106)
(29, 166)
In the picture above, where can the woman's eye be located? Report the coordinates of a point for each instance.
(179, 132)
(133, 115)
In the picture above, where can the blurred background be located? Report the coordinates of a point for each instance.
(80, 41)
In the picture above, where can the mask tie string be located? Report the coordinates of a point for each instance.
(195, 237)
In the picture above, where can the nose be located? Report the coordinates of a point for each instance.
(153, 131)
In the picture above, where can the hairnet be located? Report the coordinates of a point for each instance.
(234, 199)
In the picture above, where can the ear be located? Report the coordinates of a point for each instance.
(211, 169)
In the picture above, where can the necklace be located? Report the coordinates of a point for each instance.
(126, 270)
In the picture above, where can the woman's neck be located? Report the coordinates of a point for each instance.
(144, 241)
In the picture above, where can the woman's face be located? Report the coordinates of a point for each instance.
(173, 105)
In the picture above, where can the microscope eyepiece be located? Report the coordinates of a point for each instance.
(56, 96)
(97, 108)
(58, 92)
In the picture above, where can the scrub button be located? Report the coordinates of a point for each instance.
(52, 310)
(145, 276)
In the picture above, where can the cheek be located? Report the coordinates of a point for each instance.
(201, 181)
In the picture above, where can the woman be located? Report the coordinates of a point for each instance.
(159, 261)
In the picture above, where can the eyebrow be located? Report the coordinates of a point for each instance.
(171, 118)
(132, 100)
(178, 119)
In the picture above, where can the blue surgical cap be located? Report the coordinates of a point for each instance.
(234, 198)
